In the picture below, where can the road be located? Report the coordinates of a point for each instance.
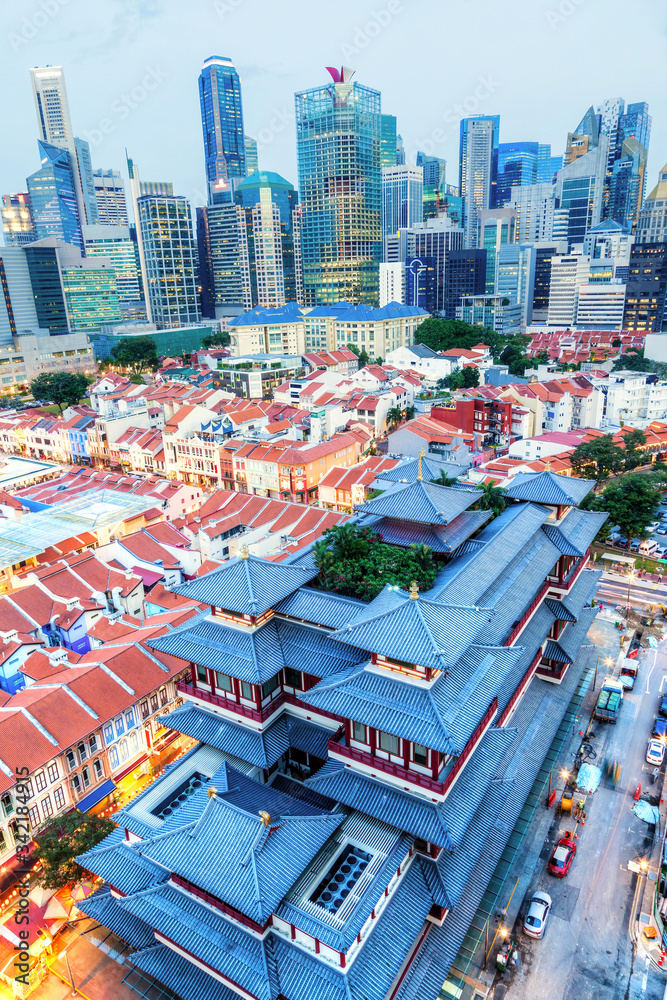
(587, 953)
(614, 590)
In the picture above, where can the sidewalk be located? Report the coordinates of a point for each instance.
(96, 975)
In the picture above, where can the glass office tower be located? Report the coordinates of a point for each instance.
(170, 256)
(339, 133)
(269, 202)
(222, 123)
(521, 163)
(478, 170)
(53, 197)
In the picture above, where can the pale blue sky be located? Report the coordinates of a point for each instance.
(536, 63)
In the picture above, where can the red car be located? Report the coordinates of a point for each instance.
(562, 857)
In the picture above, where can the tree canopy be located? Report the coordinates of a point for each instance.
(443, 334)
(598, 458)
(137, 353)
(636, 362)
(215, 340)
(493, 498)
(634, 442)
(515, 357)
(354, 561)
(61, 388)
(632, 502)
(59, 844)
(463, 378)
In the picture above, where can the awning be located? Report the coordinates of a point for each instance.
(99, 793)
(614, 557)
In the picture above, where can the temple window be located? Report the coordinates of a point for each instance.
(389, 743)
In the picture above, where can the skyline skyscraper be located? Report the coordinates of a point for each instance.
(110, 195)
(524, 163)
(339, 131)
(165, 226)
(269, 201)
(580, 188)
(17, 224)
(222, 124)
(478, 169)
(402, 198)
(53, 199)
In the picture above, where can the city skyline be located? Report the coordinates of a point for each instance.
(146, 90)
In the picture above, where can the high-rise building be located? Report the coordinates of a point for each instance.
(18, 312)
(431, 244)
(535, 206)
(635, 124)
(524, 163)
(392, 283)
(164, 224)
(608, 241)
(110, 195)
(55, 129)
(652, 222)
(544, 254)
(53, 198)
(44, 268)
(478, 168)
(340, 188)
(91, 295)
(400, 151)
(388, 141)
(515, 277)
(402, 198)
(17, 224)
(114, 243)
(497, 226)
(251, 155)
(222, 123)
(435, 186)
(568, 274)
(580, 188)
(268, 201)
(646, 288)
(224, 266)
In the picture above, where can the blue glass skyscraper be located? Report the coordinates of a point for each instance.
(338, 129)
(222, 124)
(521, 163)
(53, 196)
(478, 170)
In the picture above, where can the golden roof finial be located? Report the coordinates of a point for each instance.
(422, 454)
(547, 467)
(213, 792)
(265, 817)
(244, 552)
(414, 591)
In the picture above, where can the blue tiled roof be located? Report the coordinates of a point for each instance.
(466, 578)
(554, 651)
(442, 716)
(420, 501)
(572, 636)
(346, 312)
(248, 865)
(320, 606)
(104, 908)
(179, 975)
(583, 590)
(560, 612)
(121, 866)
(419, 631)
(257, 655)
(221, 943)
(576, 531)
(439, 538)
(262, 749)
(261, 316)
(247, 586)
(549, 487)
(407, 471)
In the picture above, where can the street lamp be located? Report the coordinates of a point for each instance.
(69, 972)
(630, 579)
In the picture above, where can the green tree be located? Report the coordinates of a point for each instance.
(215, 340)
(60, 843)
(634, 441)
(61, 388)
(137, 353)
(636, 362)
(356, 562)
(443, 479)
(444, 334)
(598, 458)
(493, 498)
(514, 355)
(470, 377)
(394, 416)
(409, 412)
(632, 503)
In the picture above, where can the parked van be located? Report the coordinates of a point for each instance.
(649, 548)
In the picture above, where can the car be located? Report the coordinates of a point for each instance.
(659, 729)
(662, 707)
(662, 530)
(535, 921)
(653, 525)
(562, 857)
(655, 752)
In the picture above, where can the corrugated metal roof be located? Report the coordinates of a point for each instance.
(549, 487)
(248, 865)
(247, 586)
(421, 501)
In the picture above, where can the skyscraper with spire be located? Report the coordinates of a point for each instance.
(222, 125)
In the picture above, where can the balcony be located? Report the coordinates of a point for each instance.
(215, 699)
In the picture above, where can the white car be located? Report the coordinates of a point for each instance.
(655, 753)
(535, 920)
